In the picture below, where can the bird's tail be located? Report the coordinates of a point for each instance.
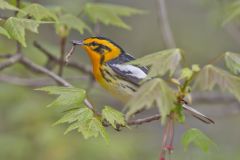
(197, 114)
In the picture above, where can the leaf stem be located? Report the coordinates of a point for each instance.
(186, 84)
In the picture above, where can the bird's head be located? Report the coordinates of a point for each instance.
(100, 49)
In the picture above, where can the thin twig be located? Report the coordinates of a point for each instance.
(135, 122)
(32, 82)
(10, 61)
(144, 120)
(165, 26)
(74, 65)
(70, 53)
(81, 68)
(62, 53)
(29, 82)
(33, 66)
(44, 50)
(4, 56)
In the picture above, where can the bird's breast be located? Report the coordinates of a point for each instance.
(109, 80)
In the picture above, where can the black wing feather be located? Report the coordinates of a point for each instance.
(126, 75)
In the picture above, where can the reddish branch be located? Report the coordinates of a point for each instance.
(167, 138)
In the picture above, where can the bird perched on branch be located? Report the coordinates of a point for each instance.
(110, 71)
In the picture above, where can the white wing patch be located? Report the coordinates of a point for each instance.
(131, 70)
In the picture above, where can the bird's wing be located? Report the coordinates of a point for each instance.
(131, 73)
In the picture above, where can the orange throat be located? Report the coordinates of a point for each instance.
(95, 59)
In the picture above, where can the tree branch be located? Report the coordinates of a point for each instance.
(36, 82)
(10, 61)
(144, 120)
(32, 82)
(35, 67)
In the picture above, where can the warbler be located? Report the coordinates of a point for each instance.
(112, 73)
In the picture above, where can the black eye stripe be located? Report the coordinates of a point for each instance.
(93, 44)
(100, 47)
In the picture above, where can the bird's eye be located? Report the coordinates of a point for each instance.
(94, 44)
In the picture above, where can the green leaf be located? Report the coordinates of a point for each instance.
(73, 22)
(68, 96)
(84, 120)
(153, 92)
(198, 138)
(78, 118)
(232, 61)
(16, 28)
(6, 5)
(160, 62)
(113, 116)
(80, 114)
(93, 128)
(211, 76)
(109, 14)
(38, 12)
(4, 32)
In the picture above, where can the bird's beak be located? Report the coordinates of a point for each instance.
(76, 42)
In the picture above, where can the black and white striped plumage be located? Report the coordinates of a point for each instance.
(132, 73)
(123, 79)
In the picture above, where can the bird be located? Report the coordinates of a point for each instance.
(112, 73)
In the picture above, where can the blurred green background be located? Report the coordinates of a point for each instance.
(26, 130)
